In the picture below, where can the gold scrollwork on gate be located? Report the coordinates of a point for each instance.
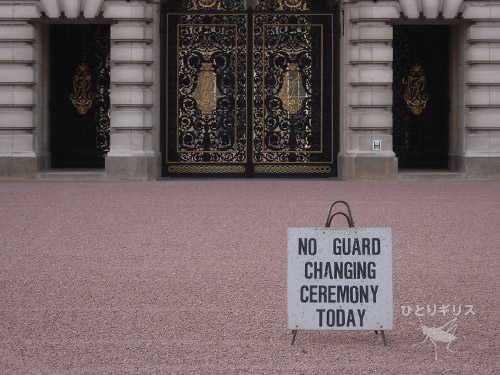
(206, 169)
(415, 96)
(205, 4)
(82, 98)
(292, 169)
(293, 4)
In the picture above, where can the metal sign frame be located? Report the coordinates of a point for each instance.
(350, 221)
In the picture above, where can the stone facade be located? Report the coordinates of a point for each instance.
(365, 84)
(134, 114)
(366, 80)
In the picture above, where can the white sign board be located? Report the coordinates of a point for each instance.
(340, 278)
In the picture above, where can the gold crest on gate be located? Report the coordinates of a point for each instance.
(293, 4)
(206, 93)
(206, 4)
(292, 92)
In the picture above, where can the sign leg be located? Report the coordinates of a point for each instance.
(294, 333)
(383, 338)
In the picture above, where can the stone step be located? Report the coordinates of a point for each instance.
(72, 174)
(418, 175)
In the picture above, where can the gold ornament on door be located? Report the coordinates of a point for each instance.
(415, 94)
(82, 98)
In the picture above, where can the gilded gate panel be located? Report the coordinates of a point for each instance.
(292, 113)
(207, 88)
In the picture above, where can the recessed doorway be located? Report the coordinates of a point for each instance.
(79, 95)
(421, 101)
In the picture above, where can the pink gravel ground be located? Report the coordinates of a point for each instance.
(189, 276)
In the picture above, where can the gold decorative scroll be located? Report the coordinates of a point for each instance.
(415, 96)
(292, 169)
(292, 92)
(206, 169)
(82, 97)
(205, 4)
(205, 93)
(294, 4)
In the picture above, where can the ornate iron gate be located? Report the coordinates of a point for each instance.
(248, 93)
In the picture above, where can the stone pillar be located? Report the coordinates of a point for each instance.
(24, 128)
(17, 97)
(134, 83)
(482, 96)
(366, 73)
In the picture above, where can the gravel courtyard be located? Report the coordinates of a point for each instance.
(189, 277)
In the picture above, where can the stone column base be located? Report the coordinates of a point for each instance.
(18, 167)
(132, 167)
(481, 168)
(367, 167)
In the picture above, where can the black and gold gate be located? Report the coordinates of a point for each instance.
(248, 93)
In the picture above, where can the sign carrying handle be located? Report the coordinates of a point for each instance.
(348, 216)
(350, 221)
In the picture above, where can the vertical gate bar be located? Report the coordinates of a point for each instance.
(249, 77)
(163, 87)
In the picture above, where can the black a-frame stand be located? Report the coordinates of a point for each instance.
(350, 222)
